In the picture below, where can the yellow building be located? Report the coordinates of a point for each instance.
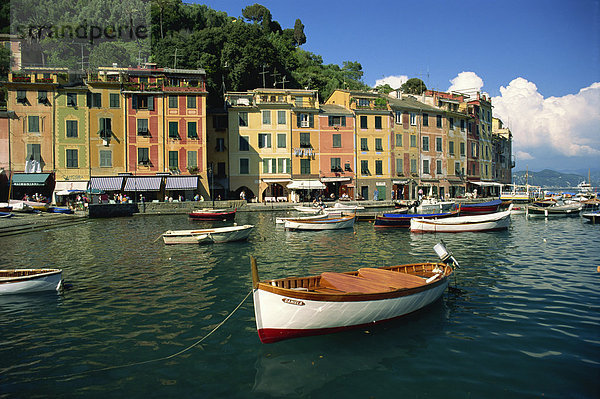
(265, 127)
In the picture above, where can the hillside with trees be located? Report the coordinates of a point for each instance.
(243, 54)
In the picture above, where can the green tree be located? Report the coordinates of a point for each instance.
(413, 86)
(384, 89)
(299, 36)
(258, 14)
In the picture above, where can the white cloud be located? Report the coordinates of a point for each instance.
(568, 125)
(524, 156)
(394, 81)
(466, 82)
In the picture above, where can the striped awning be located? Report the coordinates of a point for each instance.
(181, 183)
(146, 183)
(107, 183)
(30, 179)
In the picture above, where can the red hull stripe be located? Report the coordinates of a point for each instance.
(270, 335)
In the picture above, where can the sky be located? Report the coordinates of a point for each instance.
(539, 60)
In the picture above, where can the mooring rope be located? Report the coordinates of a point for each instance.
(151, 360)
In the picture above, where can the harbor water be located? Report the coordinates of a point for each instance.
(521, 319)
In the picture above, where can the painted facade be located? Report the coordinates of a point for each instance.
(217, 150)
(373, 141)
(71, 132)
(337, 156)
(502, 161)
(107, 123)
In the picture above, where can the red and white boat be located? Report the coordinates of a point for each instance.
(331, 302)
(213, 214)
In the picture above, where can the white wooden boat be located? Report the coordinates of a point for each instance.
(343, 222)
(206, 236)
(347, 207)
(331, 302)
(486, 222)
(282, 220)
(556, 210)
(309, 209)
(21, 281)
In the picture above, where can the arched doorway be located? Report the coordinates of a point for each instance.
(248, 194)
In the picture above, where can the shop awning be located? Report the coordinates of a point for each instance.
(146, 183)
(30, 179)
(108, 183)
(181, 183)
(486, 183)
(335, 179)
(275, 180)
(63, 187)
(306, 185)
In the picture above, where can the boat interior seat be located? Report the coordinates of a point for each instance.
(349, 283)
(392, 279)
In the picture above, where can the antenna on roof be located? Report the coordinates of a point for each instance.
(175, 62)
(282, 81)
(263, 73)
(275, 74)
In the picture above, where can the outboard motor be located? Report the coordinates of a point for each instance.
(445, 255)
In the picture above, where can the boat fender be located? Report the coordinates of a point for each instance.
(546, 212)
(432, 278)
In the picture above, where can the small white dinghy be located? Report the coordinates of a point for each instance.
(206, 236)
(21, 281)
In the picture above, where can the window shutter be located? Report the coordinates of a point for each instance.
(102, 126)
(88, 99)
(311, 120)
(298, 119)
(134, 102)
(150, 103)
(108, 124)
(343, 121)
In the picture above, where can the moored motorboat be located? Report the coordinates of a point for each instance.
(330, 302)
(205, 236)
(343, 222)
(480, 208)
(485, 222)
(21, 281)
(593, 217)
(282, 220)
(309, 209)
(402, 220)
(212, 214)
(556, 210)
(6, 215)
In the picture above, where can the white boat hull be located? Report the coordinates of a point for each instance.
(325, 224)
(279, 317)
(49, 281)
(216, 235)
(487, 222)
(283, 220)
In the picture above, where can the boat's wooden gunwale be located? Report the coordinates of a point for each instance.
(17, 275)
(307, 288)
